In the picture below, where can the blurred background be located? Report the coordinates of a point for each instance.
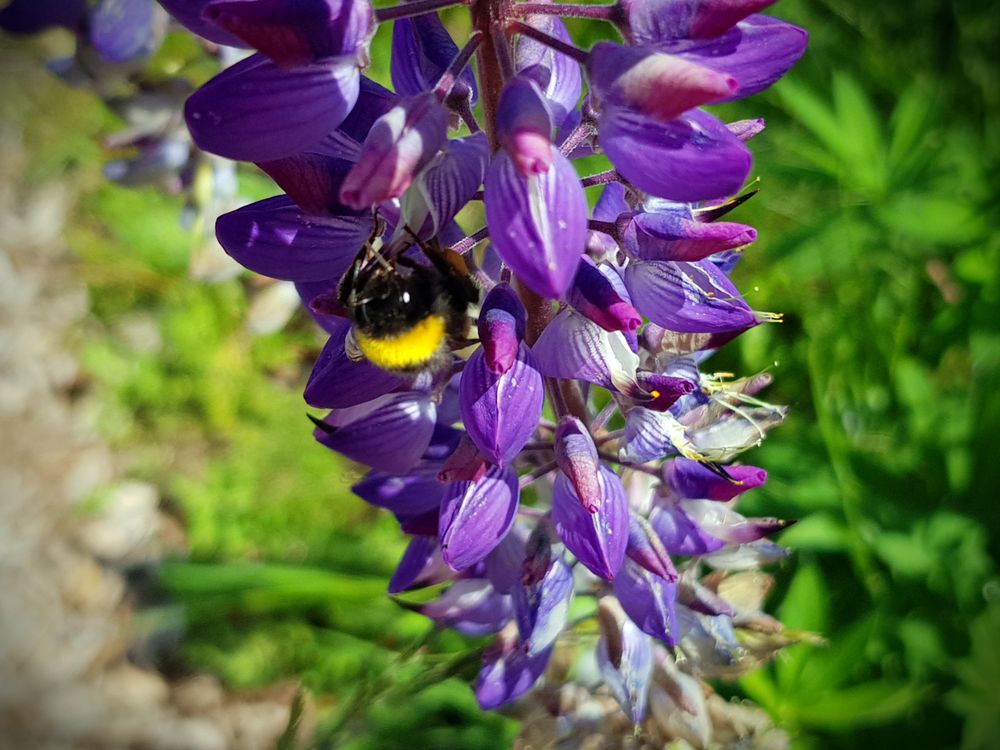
(183, 567)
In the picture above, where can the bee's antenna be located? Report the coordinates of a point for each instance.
(376, 253)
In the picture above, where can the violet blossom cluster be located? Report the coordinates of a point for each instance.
(573, 464)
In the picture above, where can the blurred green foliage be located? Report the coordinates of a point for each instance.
(879, 242)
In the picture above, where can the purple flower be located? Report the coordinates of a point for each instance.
(568, 443)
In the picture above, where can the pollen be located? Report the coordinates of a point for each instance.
(407, 350)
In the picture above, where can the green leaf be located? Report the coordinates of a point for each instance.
(870, 704)
(932, 220)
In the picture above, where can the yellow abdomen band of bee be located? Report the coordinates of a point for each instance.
(405, 350)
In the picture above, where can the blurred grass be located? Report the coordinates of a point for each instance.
(879, 242)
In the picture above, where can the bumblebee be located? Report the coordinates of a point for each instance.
(407, 313)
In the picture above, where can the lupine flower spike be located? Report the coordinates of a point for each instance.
(562, 446)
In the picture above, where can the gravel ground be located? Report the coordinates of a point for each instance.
(68, 673)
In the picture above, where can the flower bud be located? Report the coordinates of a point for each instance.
(524, 126)
(475, 517)
(576, 455)
(674, 234)
(694, 480)
(646, 549)
(663, 390)
(652, 21)
(399, 145)
(656, 84)
(599, 293)
(501, 327)
(597, 539)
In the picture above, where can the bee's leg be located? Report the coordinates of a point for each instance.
(347, 291)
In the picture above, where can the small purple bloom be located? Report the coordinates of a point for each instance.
(541, 608)
(470, 606)
(475, 517)
(650, 602)
(598, 539)
(692, 479)
(576, 456)
(625, 658)
(508, 672)
(524, 126)
(599, 293)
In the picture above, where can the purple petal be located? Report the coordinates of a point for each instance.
(693, 479)
(475, 516)
(312, 180)
(314, 296)
(557, 75)
(420, 566)
(374, 100)
(688, 297)
(296, 32)
(610, 205)
(598, 540)
(750, 556)
(122, 30)
(538, 224)
(189, 14)
(503, 564)
(663, 390)
(681, 535)
(571, 346)
(599, 294)
(652, 21)
(692, 158)
(405, 495)
(677, 235)
(657, 85)
(337, 382)
(542, 608)
(501, 411)
(507, 674)
(576, 456)
(628, 675)
(646, 550)
(649, 434)
(757, 52)
(649, 601)
(399, 145)
(257, 111)
(746, 129)
(726, 524)
(274, 237)
(422, 50)
(445, 185)
(471, 607)
(389, 433)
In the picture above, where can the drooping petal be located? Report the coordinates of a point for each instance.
(336, 381)
(657, 85)
(406, 495)
(681, 535)
(756, 52)
(538, 224)
(503, 564)
(646, 550)
(599, 293)
(691, 158)
(688, 297)
(389, 433)
(726, 524)
(257, 111)
(576, 456)
(475, 516)
(628, 670)
(399, 145)
(571, 346)
(421, 565)
(650, 435)
(422, 50)
(557, 75)
(189, 14)
(123, 30)
(501, 411)
(649, 601)
(296, 32)
(274, 237)
(312, 180)
(507, 673)
(598, 540)
(677, 235)
(446, 184)
(471, 607)
(541, 609)
(653, 21)
(693, 479)
(750, 556)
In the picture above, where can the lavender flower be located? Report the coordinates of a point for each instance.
(623, 500)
